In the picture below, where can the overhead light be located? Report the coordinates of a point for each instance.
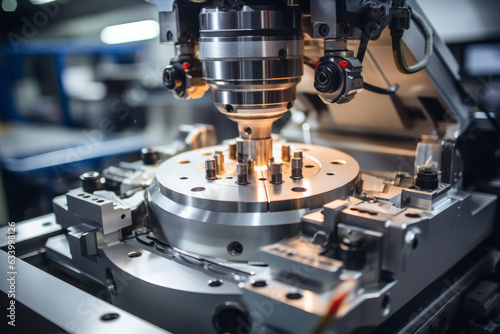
(130, 32)
(9, 5)
(41, 2)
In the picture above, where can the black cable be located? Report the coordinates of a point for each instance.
(363, 44)
(380, 90)
(309, 62)
(397, 47)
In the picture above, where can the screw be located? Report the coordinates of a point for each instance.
(170, 36)
(282, 54)
(324, 30)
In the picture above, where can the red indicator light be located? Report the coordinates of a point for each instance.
(343, 64)
(186, 65)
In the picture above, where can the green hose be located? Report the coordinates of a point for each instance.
(397, 47)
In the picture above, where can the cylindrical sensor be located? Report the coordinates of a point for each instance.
(219, 163)
(232, 151)
(277, 173)
(242, 174)
(285, 153)
(251, 167)
(296, 169)
(210, 169)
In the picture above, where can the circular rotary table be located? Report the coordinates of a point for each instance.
(221, 219)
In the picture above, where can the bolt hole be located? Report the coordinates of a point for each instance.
(197, 189)
(86, 196)
(206, 153)
(182, 162)
(282, 54)
(338, 162)
(262, 179)
(134, 254)
(47, 224)
(215, 283)
(123, 216)
(259, 284)
(183, 178)
(248, 130)
(229, 177)
(229, 108)
(110, 316)
(309, 166)
(385, 307)
(80, 194)
(330, 173)
(235, 248)
(299, 189)
(294, 295)
(100, 201)
(414, 244)
(110, 282)
(412, 215)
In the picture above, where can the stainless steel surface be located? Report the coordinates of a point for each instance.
(204, 216)
(67, 306)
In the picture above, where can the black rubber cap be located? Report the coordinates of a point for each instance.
(149, 156)
(427, 179)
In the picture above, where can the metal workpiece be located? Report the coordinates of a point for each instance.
(328, 173)
(109, 216)
(424, 199)
(223, 211)
(298, 261)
